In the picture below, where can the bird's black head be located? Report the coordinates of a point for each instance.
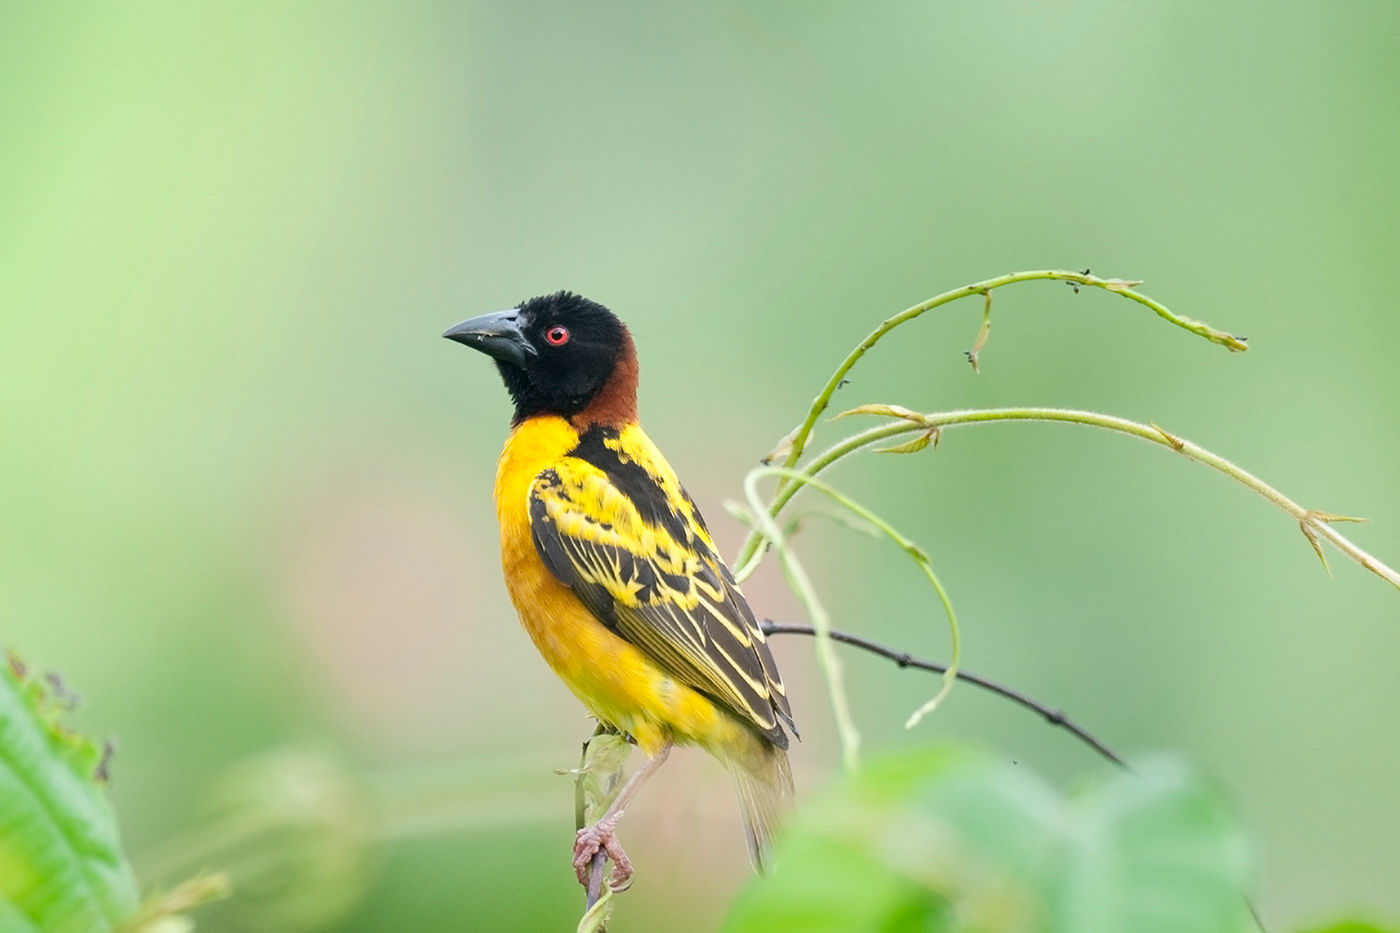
(557, 354)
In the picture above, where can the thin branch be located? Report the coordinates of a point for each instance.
(792, 447)
(745, 566)
(595, 880)
(595, 918)
(801, 584)
(906, 544)
(1314, 523)
(903, 659)
(600, 858)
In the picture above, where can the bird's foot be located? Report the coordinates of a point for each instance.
(601, 836)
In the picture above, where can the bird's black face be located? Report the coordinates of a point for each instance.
(554, 352)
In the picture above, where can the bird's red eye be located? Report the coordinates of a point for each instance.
(557, 335)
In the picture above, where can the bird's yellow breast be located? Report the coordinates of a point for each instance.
(618, 683)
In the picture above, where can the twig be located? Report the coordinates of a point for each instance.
(1053, 716)
(904, 659)
(801, 584)
(595, 879)
(793, 446)
(600, 858)
(1314, 523)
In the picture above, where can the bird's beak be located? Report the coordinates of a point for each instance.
(497, 334)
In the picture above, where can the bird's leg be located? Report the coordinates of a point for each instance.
(602, 835)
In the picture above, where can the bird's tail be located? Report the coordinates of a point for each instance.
(764, 782)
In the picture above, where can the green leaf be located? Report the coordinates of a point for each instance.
(888, 411)
(1352, 926)
(600, 777)
(61, 865)
(914, 446)
(1152, 851)
(947, 841)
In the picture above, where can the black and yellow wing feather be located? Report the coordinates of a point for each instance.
(611, 521)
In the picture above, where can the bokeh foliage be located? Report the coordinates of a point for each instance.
(62, 868)
(945, 841)
(246, 489)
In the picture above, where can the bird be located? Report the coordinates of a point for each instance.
(614, 574)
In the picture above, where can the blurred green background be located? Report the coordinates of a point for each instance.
(246, 490)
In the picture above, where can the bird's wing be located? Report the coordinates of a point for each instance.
(633, 548)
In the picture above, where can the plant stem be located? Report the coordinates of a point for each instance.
(808, 596)
(1119, 286)
(751, 554)
(904, 659)
(1311, 521)
(801, 584)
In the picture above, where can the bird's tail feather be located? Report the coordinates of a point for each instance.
(764, 782)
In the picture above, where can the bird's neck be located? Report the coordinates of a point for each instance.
(615, 402)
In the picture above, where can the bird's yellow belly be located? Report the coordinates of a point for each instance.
(611, 676)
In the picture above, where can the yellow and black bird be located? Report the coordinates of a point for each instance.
(613, 572)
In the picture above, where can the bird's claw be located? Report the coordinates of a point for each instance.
(589, 842)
